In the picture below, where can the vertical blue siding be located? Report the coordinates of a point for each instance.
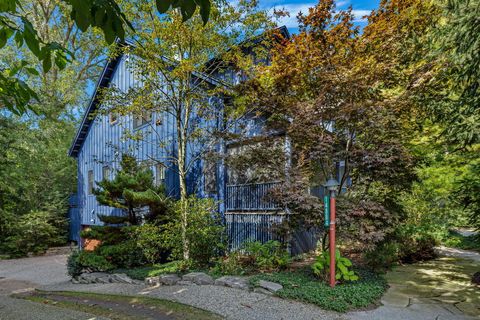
(104, 145)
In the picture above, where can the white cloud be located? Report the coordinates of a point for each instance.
(359, 15)
(293, 9)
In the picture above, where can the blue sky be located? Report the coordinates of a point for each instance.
(360, 9)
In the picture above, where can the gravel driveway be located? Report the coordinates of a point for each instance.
(25, 274)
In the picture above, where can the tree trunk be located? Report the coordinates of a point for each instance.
(181, 160)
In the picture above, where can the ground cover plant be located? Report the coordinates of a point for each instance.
(303, 285)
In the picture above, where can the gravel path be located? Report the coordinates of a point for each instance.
(231, 303)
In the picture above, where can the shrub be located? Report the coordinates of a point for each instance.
(34, 232)
(230, 265)
(205, 232)
(91, 261)
(87, 261)
(268, 256)
(253, 257)
(383, 256)
(321, 267)
(148, 239)
(74, 268)
(417, 247)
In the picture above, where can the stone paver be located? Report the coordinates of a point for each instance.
(437, 289)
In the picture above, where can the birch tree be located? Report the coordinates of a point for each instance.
(185, 70)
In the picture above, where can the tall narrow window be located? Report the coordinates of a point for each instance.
(210, 174)
(90, 181)
(113, 117)
(106, 173)
(141, 119)
(159, 174)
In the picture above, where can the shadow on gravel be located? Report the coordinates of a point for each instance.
(118, 307)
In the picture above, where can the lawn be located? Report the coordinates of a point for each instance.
(120, 307)
(304, 286)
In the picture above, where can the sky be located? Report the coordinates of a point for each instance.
(360, 9)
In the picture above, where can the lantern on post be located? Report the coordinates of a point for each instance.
(332, 186)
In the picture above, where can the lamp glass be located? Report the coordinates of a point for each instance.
(332, 184)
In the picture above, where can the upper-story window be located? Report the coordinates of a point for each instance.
(90, 182)
(210, 174)
(159, 174)
(142, 119)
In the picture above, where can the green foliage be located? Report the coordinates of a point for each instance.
(383, 257)
(34, 232)
(304, 286)
(456, 240)
(92, 262)
(415, 244)
(254, 257)
(268, 256)
(321, 267)
(204, 232)
(17, 27)
(74, 268)
(132, 189)
(149, 241)
(468, 193)
(143, 272)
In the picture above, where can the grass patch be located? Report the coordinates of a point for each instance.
(304, 286)
(141, 273)
(119, 307)
(456, 240)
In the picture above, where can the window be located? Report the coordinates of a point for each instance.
(159, 174)
(113, 117)
(90, 181)
(106, 173)
(140, 120)
(210, 173)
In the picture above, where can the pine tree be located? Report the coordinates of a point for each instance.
(132, 189)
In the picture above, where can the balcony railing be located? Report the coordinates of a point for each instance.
(250, 197)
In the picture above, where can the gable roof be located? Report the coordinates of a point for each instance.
(87, 120)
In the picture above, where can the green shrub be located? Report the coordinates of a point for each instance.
(149, 241)
(91, 261)
(321, 267)
(74, 268)
(230, 265)
(254, 257)
(268, 256)
(205, 231)
(34, 232)
(383, 257)
(417, 247)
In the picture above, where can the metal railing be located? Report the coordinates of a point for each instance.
(250, 197)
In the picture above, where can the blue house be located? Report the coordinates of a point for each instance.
(248, 213)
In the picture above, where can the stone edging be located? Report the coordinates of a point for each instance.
(193, 278)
